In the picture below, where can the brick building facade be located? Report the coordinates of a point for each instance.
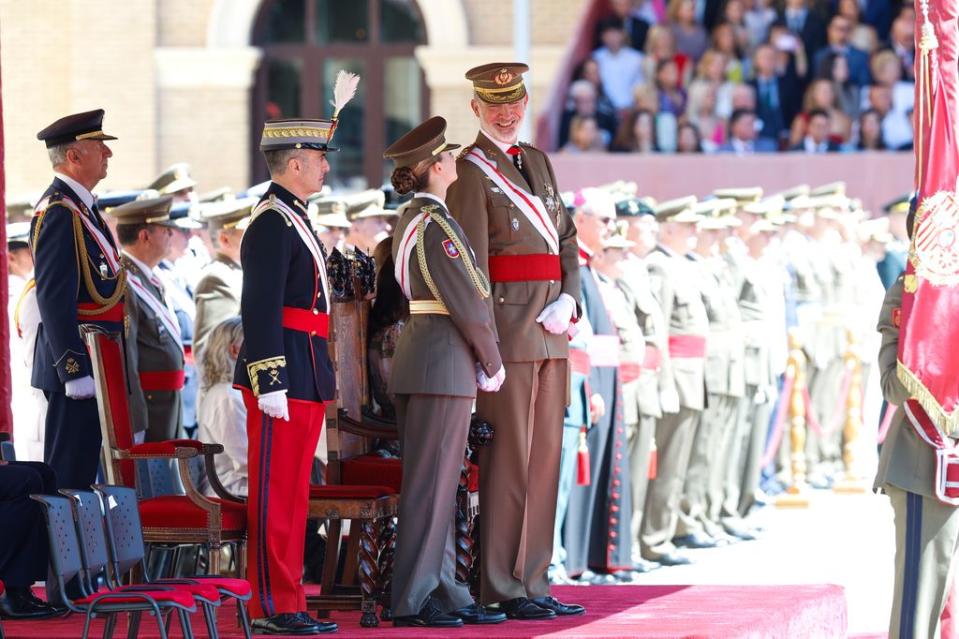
(179, 78)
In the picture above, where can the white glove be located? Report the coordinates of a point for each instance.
(556, 317)
(760, 396)
(274, 404)
(80, 388)
(490, 384)
(597, 408)
(669, 400)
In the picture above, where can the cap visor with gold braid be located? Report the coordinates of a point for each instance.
(499, 82)
(310, 133)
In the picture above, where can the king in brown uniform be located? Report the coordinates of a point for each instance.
(507, 200)
(446, 350)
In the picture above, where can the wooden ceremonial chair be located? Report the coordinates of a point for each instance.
(189, 519)
(370, 507)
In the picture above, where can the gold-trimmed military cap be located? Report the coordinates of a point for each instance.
(716, 213)
(228, 214)
(423, 142)
(499, 82)
(741, 195)
(217, 195)
(73, 128)
(298, 133)
(175, 178)
(617, 241)
(794, 192)
(18, 235)
(679, 210)
(833, 188)
(899, 205)
(149, 210)
(331, 214)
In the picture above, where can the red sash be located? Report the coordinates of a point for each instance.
(652, 358)
(305, 320)
(579, 361)
(687, 346)
(525, 268)
(112, 314)
(162, 380)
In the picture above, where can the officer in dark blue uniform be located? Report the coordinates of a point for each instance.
(79, 280)
(284, 370)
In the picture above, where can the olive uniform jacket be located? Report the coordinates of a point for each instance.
(635, 285)
(217, 297)
(675, 285)
(905, 461)
(495, 226)
(724, 349)
(436, 354)
(157, 350)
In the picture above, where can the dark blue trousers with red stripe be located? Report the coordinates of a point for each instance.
(280, 457)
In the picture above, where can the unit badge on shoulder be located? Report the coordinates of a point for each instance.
(451, 251)
(551, 203)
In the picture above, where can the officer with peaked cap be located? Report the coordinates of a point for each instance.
(79, 280)
(446, 350)
(675, 284)
(894, 261)
(329, 217)
(370, 223)
(144, 230)
(284, 369)
(217, 293)
(176, 182)
(507, 200)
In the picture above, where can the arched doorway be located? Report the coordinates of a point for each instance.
(305, 43)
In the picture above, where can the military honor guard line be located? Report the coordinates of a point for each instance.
(630, 355)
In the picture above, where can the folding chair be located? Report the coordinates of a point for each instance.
(127, 552)
(65, 564)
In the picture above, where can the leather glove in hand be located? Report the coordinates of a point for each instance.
(275, 405)
(80, 388)
(556, 317)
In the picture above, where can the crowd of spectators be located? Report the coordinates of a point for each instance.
(745, 76)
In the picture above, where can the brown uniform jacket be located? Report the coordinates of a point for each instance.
(436, 354)
(725, 373)
(495, 226)
(157, 350)
(905, 461)
(217, 296)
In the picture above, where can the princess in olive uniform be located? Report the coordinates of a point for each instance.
(446, 350)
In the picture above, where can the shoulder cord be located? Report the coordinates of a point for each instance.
(84, 265)
(476, 276)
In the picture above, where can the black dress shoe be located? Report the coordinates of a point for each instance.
(429, 616)
(558, 607)
(740, 532)
(324, 626)
(673, 559)
(19, 603)
(524, 609)
(286, 623)
(479, 615)
(695, 540)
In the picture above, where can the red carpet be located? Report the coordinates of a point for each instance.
(613, 612)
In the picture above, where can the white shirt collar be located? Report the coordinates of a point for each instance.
(85, 196)
(500, 145)
(429, 196)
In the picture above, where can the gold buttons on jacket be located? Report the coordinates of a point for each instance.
(502, 300)
(316, 311)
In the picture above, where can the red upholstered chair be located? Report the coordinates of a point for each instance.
(191, 519)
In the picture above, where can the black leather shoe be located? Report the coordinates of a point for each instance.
(673, 559)
(429, 616)
(558, 607)
(524, 609)
(695, 540)
(19, 603)
(286, 623)
(479, 615)
(324, 626)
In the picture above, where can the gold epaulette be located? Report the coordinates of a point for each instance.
(466, 149)
(267, 205)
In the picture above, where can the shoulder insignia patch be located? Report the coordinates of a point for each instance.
(451, 251)
(897, 317)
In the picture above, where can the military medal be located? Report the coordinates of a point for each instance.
(515, 224)
(550, 198)
(104, 273)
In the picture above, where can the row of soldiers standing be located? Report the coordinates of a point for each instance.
(675, 429)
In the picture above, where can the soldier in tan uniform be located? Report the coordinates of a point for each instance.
(507, 201)
(143, 230)
(698, 527)
(370, 223)
(675, 284)
(217, 293)
(445, 351)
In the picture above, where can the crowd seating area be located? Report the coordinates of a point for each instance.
(744, 76)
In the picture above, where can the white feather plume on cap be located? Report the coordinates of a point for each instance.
(343, 90)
